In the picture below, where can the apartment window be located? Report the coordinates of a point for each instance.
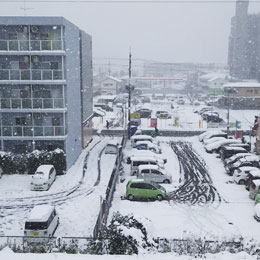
(20, 120)
(24, 93)
(56, 121)
(46, 94)
(54, 65)
(250, 91)
(12, 36)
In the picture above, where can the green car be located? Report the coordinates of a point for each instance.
(144, 189)
(257, 198)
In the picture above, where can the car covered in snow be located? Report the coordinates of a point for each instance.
(215, 147)
(43, 178)
(146, 145)
(240, 175)
(237, 156)
(230, 168)
(212, 133)
(228, 151)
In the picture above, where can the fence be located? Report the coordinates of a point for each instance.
(106, 203)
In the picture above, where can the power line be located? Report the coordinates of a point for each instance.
(131, 1)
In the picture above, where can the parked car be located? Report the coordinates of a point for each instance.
(144, 189)
(240, 175)
(180, 102)
(228, 151)
(204, 109)
(41, 224)
(245, 146)
(236, 157)
(214, 119)
(43, 178)
(213, 139)
(254, 189)
(144, 112)
(146, 145)
(215, 147)
(230, 168)
(163, 114)
(251, 176)
(139, 153)
(257, 212)
(212, 133)
(104, 107)
(209, 113)
(153, 173)
(136, 138)
(144, 160)
(112, 147)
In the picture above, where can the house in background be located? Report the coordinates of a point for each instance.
(241, 95)
(213, 82)
(110, 86)
(45, 85)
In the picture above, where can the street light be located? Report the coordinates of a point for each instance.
(129, 88)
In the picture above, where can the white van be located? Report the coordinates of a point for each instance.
(136, 138)
(43, 178)
(136, 161)
(153, 173)
(41, 224)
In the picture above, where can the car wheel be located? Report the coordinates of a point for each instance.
(130, 197)
(242, 182)
(159, 197)
(166, 181)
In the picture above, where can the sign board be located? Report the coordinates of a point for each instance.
(239, 134)
(136, 115)
(153, 122)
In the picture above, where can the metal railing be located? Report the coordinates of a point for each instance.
(31, 74)
(32, 131)
(34, 103)
(30, 45)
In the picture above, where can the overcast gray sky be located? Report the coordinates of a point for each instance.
(175, 32)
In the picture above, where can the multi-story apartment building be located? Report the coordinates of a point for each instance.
(244, 43)
(45, 85)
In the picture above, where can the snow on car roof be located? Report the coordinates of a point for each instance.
(143, 158)
(45, 168)
(40, 213)
(141, 137)
(112, 142)
(222, 142)
(150, 166)
(237, 148)
(256, 182)
(255, 172)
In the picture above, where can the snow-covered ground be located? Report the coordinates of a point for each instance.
(188, 120)
(78, 208)
(232, 217)
(7, 254)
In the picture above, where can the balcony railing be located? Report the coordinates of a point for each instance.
(31, 103)
(32, 45)
(33, 131)
(31, 74)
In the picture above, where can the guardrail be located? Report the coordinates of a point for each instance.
(106, 203)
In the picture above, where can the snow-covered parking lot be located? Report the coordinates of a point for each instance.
(227, 217)
(76, 195)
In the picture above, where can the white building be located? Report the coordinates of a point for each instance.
(110, 86)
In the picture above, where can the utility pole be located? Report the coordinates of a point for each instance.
(129, 88)
(228, 107)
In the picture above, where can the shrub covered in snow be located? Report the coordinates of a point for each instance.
(124, 235)
(28, 163)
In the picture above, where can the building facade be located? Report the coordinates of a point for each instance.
(110, 86)
(244, 43)
(45, 85)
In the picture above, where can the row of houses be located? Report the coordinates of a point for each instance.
(45, 85)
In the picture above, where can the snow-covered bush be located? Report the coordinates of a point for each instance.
(28, 163)
(125, 235)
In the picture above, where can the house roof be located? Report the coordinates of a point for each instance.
(112, 78)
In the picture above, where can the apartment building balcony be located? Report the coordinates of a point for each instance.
(31, 46)
(32, 103)
(31, 75)
(32, 131)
